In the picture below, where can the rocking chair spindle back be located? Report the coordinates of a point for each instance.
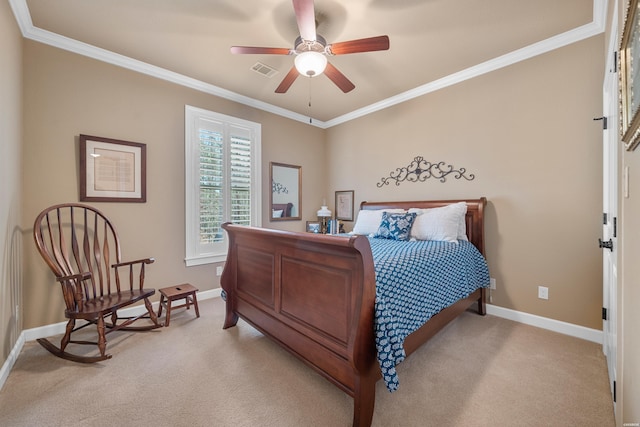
(82, 249)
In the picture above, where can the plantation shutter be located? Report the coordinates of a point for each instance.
(240, 179)
(223, 181)
(211, 184)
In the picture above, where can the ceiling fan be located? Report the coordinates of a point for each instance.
(311, 50)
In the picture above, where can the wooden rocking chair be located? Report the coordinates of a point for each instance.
(81, 247)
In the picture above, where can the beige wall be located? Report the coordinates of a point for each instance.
(10, 181)
(628, 366)
(628, 291)
(526, 133)
(629, 295)
(66, 95)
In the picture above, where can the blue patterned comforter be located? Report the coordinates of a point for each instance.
(414, 281)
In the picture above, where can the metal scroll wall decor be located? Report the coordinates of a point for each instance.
(278, 188)
(419, 170)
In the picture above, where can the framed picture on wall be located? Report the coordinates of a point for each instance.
(112, 170)
(629, 78)
(344, 205)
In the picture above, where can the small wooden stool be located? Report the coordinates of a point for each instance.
(172, 293)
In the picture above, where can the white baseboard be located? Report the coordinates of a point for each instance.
(11, 360)
(517, 316)
(565, 328)
(58, 328)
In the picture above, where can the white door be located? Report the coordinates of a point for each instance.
(609, 242)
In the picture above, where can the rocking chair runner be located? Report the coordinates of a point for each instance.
(79, 243)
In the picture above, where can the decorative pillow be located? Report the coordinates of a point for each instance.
(368, 221)
(396, 226)
(445, 223)
(276, 213)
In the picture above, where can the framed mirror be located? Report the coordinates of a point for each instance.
(286, 192)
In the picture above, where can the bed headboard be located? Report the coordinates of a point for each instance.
(284, 207)
(474, 218)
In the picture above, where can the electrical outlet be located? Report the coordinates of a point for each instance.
(543, 292)
(492, 283)
(218, 271)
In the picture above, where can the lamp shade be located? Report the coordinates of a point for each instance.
(324, 212)
(310, 63)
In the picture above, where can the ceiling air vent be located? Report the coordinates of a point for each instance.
(265, 70)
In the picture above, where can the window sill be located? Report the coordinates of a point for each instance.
(205, 259)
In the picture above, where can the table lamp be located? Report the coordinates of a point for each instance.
(323, 217)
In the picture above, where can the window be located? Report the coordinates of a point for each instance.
(222, 168)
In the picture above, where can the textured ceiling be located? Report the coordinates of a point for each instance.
(429, 40)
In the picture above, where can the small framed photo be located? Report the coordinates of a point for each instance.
(344, 205)
(112, 170)
(313, 227)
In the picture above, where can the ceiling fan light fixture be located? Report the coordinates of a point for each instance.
(311, 63)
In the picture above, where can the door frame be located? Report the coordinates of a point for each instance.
(611, 226)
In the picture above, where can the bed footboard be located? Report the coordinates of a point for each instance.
(313, 294)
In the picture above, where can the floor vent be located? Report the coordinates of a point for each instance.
(263, 69)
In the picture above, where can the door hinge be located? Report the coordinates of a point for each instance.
(614, 391)
(604, 218)
(604, 313)
(615, 226)
(615, 62)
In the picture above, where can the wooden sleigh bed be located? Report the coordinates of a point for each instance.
(314, 295)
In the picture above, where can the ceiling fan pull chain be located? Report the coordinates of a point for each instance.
(310, 118)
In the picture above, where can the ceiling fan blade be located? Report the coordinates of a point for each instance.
(361, 45)
(338, 78)
(260, 50)
(306, 18)
(288, 80)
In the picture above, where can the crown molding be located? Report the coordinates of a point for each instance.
(29, 31)
(595, 27)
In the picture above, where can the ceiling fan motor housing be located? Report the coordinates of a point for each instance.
(317, 45)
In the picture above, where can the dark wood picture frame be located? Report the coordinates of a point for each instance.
(112, 170)
(344, 205)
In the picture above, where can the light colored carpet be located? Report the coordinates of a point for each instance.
(478, 371)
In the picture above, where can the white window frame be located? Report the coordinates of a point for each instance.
(196, 252)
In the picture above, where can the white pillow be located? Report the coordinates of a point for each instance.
(462, 225)
(276, 213)
(368, 221)
(440, 223)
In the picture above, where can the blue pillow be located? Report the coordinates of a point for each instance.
(396, 226)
